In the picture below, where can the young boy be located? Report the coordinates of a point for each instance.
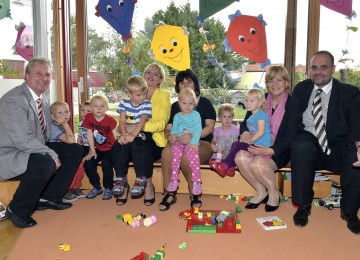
(74, 193)
(60, 129)
(132, 143)
(101, 133)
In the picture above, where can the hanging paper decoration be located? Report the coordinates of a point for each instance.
(24, 43)
(5, 9)
(117, 13)
(207, 47)
(246, 36)
(340, 6)
(170, 45)
(209, 7)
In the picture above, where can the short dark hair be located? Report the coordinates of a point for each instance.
(326, 53)
(187, 74)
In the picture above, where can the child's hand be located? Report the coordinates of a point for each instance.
(185, 139)
(90, 155)
(130, 138)
(214, 148)
(122, 139)
(245, 138)
(193, 147)
(60, 121)
(172, 138)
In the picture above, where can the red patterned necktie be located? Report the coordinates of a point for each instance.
(41, 115)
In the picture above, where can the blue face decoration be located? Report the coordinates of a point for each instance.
(117, 13)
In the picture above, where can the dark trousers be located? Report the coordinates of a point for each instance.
(40, 180)
(90, 167)
(139, 151)
(307, 157)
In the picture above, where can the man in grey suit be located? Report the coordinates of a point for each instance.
(45, 170)
(329, 140)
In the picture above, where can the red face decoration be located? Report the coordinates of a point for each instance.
(246, 36)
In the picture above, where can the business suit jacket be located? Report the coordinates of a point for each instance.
(343, 117)
(288, 130)
(20, 131)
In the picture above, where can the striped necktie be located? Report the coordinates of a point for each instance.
(41, 115)
(319, 122)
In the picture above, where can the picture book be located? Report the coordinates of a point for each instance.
(271, 223)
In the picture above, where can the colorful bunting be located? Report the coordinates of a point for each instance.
(209, 7)
(5, 9)
(24, 43)
(340, 6)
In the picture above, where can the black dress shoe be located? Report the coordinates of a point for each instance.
(20, 222)
(301, 215)
(42, 205)
(353, 222)
(269, 208)
(256, 205)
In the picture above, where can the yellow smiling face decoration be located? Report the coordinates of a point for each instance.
(170, 45)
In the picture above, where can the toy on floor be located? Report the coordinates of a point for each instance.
(183, 245)
(331, 202)
(159, 255)
(64, 247)
(211, 221)
(135, 221)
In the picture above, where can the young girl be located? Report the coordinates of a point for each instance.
(101, 133)
(186, 121)
(259, 127)
(223, 137)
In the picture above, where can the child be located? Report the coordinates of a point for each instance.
(223, 137)
(186, 121)
(60, 129)
(74, 191)
(101, 133)
(258, 125)
(132, 143)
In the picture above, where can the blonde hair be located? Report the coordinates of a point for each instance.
(187, 92)
(99, 97)
(57, 104)
(257, 93)
(159, 68)
(136, 83)
(273, 71)
(226, 107)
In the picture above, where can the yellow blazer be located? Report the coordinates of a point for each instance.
(161, 106)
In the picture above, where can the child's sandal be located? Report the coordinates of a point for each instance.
(119, 186)
(139, 187)
(196, 202)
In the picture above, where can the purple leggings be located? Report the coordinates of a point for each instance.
(229, 161)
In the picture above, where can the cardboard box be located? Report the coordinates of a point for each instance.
(321, 189)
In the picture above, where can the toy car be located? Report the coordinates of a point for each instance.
(331, 202)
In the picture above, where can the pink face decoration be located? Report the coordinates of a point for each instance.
(24, 41)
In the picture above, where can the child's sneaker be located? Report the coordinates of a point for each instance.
(94, 192)
(78, 193)
(138, 187)
(107, 194)
(2, 211)
(173, 186)
(119, 186)
(69, 197)
(196, 188)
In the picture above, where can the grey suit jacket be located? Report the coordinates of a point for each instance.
(20, 131)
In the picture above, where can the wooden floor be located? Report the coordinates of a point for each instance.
(8, 235)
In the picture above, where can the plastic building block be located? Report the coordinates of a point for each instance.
(150, 221)
(64, 247)
(183, 245)
(119, 217)
(210, 225)
(238, 209)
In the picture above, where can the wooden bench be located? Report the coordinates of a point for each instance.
(7, 190)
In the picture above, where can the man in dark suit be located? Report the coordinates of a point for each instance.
(46, 170)
(329, 105)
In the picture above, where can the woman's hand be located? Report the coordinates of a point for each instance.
(245, 138)
(357, 163)
(260, 150)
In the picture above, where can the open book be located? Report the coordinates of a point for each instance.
(272, 222)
